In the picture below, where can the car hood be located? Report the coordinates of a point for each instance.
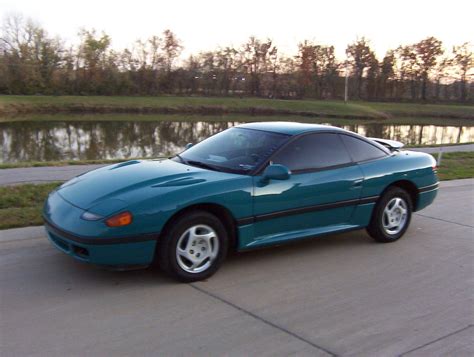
(112, 188)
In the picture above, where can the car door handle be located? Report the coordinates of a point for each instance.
(357, 183)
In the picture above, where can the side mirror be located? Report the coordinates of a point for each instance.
(276, 172)
(188, 146)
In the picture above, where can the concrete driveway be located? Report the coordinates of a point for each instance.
(340, 295)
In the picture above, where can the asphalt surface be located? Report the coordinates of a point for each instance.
(64, 173)
(453, 148)
(337, 295)
(43, 174)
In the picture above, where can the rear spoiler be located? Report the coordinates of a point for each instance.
(392, 145)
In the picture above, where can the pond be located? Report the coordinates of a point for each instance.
(91, 140)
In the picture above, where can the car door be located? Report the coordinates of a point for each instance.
(319, 195)
(378, 169)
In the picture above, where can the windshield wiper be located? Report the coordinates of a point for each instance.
(202, 165)
(181, 158)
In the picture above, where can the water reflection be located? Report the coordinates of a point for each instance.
(85, 140)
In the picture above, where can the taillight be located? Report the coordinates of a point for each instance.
(435, 168)
(121, 219)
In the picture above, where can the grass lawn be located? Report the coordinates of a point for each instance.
(21, 205)
(232, 117)
(206, 105)
(456, 165)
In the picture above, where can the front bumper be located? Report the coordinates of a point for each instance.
(122, 251)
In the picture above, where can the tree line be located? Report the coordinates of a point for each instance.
(33, 62)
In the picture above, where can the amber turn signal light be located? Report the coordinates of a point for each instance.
(121, 219)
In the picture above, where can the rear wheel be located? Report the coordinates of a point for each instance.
(194, 247)
(391, 216)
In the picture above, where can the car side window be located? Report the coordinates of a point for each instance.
(312, 152)
(361, 150)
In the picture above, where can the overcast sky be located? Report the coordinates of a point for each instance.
(205, 24)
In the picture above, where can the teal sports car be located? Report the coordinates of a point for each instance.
(250, 186)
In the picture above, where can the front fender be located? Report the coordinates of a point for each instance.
(235, 194)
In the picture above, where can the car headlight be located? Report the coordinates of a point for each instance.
(89, 216)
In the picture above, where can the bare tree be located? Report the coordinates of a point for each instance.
(463, 61)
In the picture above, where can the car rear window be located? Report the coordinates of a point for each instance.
(361, 150)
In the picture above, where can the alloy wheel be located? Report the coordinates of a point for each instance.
(394, 216)
(197, 248)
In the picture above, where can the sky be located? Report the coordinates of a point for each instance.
(206, 24)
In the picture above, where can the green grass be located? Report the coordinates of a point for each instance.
(236, 118)
(456, 165)
(414, 109)
(205, 105)
(20, 206)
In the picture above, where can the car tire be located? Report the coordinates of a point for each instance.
(391, 216)
(194, 247)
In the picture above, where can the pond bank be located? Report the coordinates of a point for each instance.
(15, 105)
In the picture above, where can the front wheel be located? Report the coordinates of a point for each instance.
(194, 247)
(391, 216)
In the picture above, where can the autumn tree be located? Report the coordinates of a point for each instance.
(318, 67)
(193, 74)
(33, 62)
(428, 52)
(149, 61)
(439, 74)
(361, 58)
(255, 55)
(408, 70)
(373, 75)
(92, 59)
(30, 57)
(227, 63)
(463, 62)
(305, 59)
(387, 73)
(171, 49)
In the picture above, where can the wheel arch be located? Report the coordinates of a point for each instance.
(409, 187)
(221, 212)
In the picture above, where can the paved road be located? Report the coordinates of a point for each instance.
(453, 148)
(42, 174)
(63, 173)
(341, 295)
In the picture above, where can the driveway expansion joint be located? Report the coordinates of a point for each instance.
(444, 220)
(436, 340)
(261, 319)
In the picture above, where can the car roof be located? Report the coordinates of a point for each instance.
(289, 128)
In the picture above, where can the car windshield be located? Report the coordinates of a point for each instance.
(236, 150)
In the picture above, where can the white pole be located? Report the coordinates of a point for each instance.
(346, 84)
(440, 154)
